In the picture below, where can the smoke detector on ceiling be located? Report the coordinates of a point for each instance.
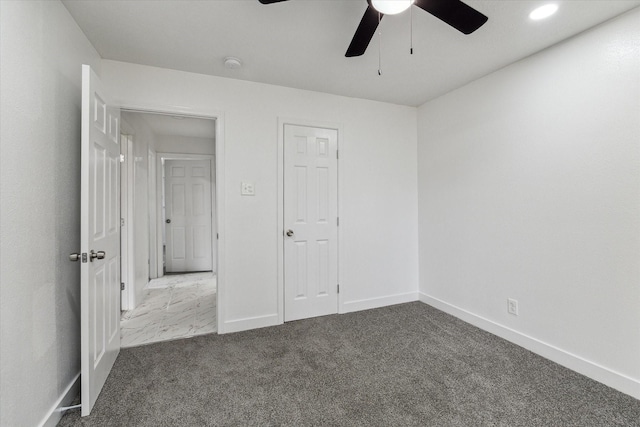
(232, 63)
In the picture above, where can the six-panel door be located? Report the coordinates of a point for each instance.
(310, 222)
(99, 238)
(188, 215)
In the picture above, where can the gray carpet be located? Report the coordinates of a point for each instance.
(405, 365)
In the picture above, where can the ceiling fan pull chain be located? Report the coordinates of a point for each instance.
(379, 46)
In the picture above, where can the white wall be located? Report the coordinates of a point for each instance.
(143, 141)
(185, 145)
(529, 188)
(378, 264)
(41, 50)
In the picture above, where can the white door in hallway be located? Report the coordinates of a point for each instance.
(188, 215)
(100, 238)
(310, 222)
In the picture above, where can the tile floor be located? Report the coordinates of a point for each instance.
(175, 306)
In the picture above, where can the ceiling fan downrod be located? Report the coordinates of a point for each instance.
(379, 46)
(411, 31)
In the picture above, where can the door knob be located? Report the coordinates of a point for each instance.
(74, 257)
(289, 233)
(168, 221)
(99, 255)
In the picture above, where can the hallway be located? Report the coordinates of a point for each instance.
(174, 307)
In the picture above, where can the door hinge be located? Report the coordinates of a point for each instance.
(217, 236)
(338, 221)
(122, 286)
(337, 155)
(121, 158)
(338, 287)
(121, 222)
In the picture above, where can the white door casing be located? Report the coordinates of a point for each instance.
(124, 228)
(188, 208)
(310, 222)
(100, 238)
(152, 214)
(127, 231)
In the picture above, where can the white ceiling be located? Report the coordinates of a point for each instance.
(166, 125)
(301, 43)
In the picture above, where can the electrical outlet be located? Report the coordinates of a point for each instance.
(512, 306)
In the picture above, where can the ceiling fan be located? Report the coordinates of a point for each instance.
(459, 15)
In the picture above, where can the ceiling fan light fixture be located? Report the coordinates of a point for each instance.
(543, 11)
(391, 7)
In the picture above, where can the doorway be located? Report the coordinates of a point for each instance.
(163, 306)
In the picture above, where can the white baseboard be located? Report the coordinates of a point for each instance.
(367, 304)
(574, 362)
(239, 325)
(54, 415)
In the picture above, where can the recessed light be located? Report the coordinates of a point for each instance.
(543, 12)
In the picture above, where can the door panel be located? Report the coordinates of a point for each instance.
(178, 244)
(311, 213)
(188, 207)
(100, 234)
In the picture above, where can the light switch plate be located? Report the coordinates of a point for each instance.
(248, 189)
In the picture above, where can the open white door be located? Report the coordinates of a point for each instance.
(100, 238)
(310, 222)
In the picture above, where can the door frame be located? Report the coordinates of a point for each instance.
(152, 185)
(127, 255)
(220, 206)
(282, 121)
(160, 157)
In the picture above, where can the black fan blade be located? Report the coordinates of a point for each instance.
(459, 15)
(365, 32)
(270, 1)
